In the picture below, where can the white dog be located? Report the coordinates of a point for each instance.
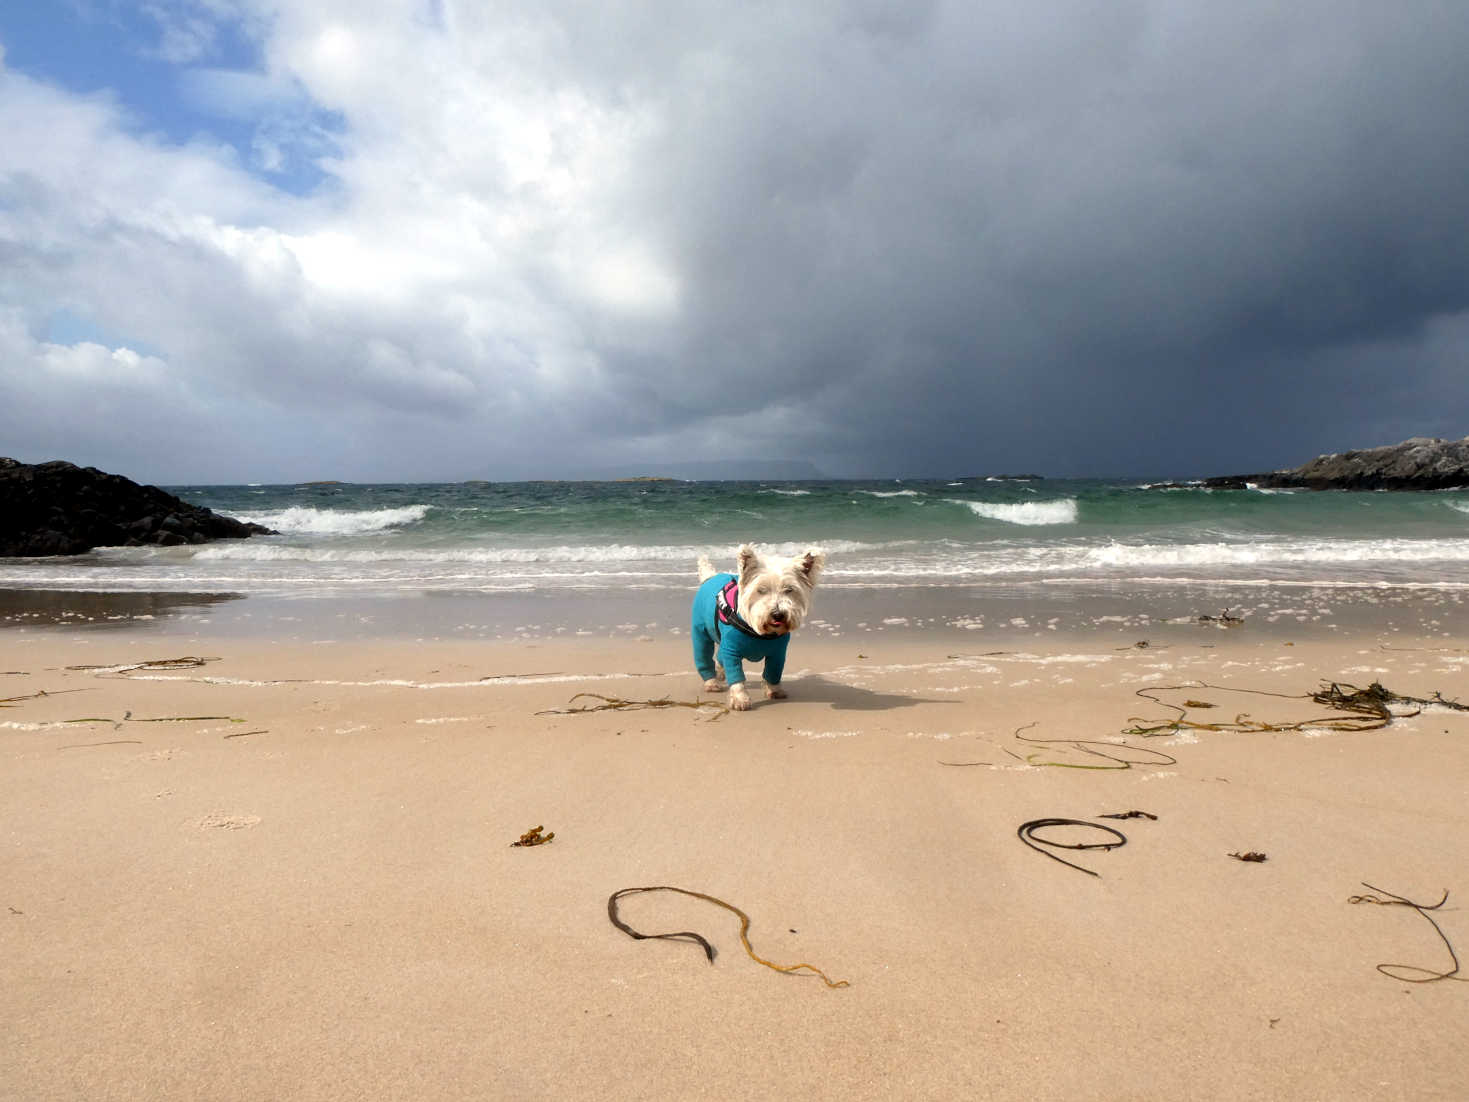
(749, 616)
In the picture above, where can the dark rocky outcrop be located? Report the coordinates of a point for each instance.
(1422, 463)
(58, 508)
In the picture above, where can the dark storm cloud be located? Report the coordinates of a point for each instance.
(1151, 238)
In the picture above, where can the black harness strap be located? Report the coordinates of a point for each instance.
(725, 601)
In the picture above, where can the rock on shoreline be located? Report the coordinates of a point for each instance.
(1422, 463)
(58, 508)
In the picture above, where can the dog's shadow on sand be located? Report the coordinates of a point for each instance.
(850, 698)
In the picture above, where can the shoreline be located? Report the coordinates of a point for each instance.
(1005, 612)
(284, 867)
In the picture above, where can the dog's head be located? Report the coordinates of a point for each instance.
(775, 592)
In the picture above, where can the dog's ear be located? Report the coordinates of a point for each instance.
(747, 561)
(811, 563)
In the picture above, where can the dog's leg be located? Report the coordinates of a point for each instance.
(739, 699)
(706, 654)
(774, 692)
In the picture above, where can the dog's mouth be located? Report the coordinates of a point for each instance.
(777, 623)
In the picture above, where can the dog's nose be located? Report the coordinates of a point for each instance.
(778, 615)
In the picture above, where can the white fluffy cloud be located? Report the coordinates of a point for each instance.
(564, 238)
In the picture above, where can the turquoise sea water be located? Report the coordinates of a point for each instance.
(342, 539)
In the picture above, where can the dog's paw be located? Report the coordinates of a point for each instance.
(715, 685)
(774, 692)
(739, 700)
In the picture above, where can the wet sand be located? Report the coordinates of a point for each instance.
(287, 871)
(1159, 610)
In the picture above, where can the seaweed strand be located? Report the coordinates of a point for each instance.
(1424, 975)
(689, 935)
(618, 704)
(1027, 834)
(188, 662)
(1084, 745)
(1366, 709)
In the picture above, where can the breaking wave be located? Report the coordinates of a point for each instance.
(300, 520)
(1028, 512)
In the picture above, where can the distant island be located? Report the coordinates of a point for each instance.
(716, 470)
(1421, 463)
(58, 508)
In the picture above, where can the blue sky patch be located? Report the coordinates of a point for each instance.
(190, 79)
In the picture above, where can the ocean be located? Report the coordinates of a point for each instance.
(595, 553)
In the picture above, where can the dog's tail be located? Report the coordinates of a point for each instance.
(706, 568)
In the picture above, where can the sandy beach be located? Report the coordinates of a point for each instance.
(237, 867)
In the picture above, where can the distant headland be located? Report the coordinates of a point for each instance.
(1421, 463)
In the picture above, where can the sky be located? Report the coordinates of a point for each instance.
(434, 240)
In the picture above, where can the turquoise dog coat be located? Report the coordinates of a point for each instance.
(718, 629)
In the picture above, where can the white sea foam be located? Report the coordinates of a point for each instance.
(1028, 512)
(337, 522)
(1461, 506)
(1279, 552)
(292, 564)
(489, 556)
(890, 493)
(608, 554)
(404, 683)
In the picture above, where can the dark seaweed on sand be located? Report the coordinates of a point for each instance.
(703, 943)
(1412, 973)
(1365, 709)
